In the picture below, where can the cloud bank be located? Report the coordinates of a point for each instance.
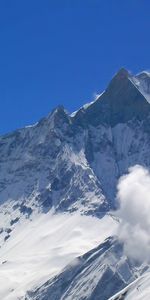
(134, 213)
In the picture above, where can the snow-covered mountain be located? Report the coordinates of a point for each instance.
(58, 182)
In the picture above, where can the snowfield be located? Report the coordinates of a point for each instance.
(39, 248)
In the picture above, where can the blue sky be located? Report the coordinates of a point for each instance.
(62, 52)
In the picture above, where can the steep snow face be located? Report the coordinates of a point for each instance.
(41, 246)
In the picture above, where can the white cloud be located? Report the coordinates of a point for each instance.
(134, 213)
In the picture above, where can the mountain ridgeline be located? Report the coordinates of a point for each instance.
(72, 162)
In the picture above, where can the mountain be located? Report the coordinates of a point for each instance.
(64, 170)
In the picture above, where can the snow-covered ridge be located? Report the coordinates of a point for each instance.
(143, 74)
(87, 105)
(142, 82)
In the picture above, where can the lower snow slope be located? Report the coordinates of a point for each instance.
(97, 275)
(40, 247)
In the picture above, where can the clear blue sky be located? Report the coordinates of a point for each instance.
(62, 52)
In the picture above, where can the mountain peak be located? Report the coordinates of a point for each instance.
(58, 110)
(119, 80)
(122, 101)
(122, 73)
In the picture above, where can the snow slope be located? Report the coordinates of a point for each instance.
(41, 246)
(96, 275)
